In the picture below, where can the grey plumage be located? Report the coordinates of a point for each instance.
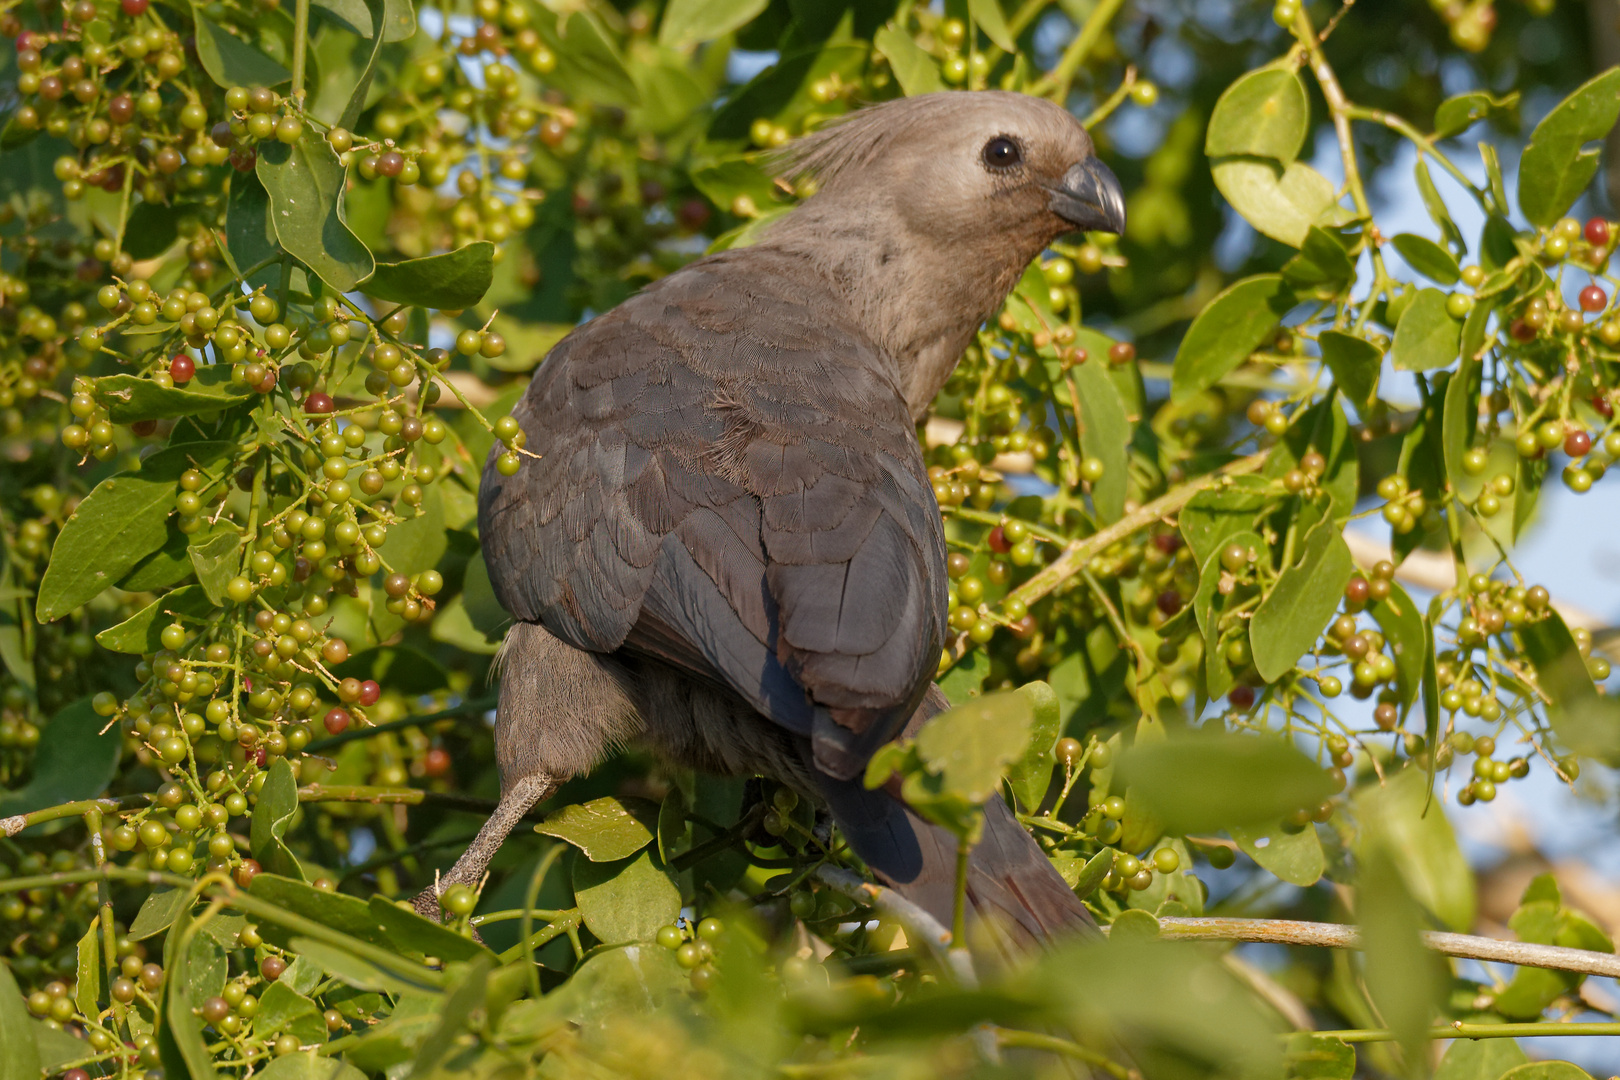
(728, 544)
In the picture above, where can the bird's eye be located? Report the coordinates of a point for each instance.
(1001, 153)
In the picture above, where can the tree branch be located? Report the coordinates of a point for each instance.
(1339, 936)
(1081, 551)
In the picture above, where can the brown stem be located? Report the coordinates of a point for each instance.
(1081, 551)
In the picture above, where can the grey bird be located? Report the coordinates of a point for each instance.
(728, 546)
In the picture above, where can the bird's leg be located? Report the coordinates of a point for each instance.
(469, 869)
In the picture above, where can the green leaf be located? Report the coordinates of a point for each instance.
(1294, 857)
(405, 931)
(338, 911)
(216, 561)
(454, 280)
(1427, 336)
(119, 523)
(1557, 164)
(1105, 434)
(1214, 515)
(914, 69)
(607, 829)
(1223, 335)
(1528, 476)
(305, 184)
(1479, 1059)
(1457, 114)
(87, 987)
(988, 17)
(309, 1065)
(356, 972)
(630, 979)
(1401, 622)
(467, 995)
(1280, 203)
(1585, 720)
(139, 634)
(153, 228)
(180, 1035)
(250, 236)
(1323, 266)
(230, 61)
(588, 67)
(399, 20)
(1403, 978)
(1265, 113)
(1086, 876)
(128, 398)
(75, 760)
(1428, 258)
(278, 802)
(1031, 775)
(158, 912)
(965, 680)
(377, 19)
(418, 543)
(627, 900)
(1460, 414)
(688, 22)
(1320, 1057)
(968, 747)
(1212, 781)
(1397, 818)
(1436, 207)
(283, 1009)
(57, 1049)
(1301, 603)
(1355, 363)
(21, 1059)
(724, 180)
(1547, 1070)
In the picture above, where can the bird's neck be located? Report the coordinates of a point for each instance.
(920, 299)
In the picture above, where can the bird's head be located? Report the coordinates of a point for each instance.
(973, 169)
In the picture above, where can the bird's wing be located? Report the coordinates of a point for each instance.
(729, 482)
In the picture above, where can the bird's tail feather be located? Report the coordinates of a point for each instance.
(1013, 891)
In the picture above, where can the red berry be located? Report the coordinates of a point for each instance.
(436, 762)
(259, 757)
(182, 368)
(1604, 407)
(1121, 352)
(370, 692)
(1577, 444)
(1169, 543)
(1593, 298)
(1597, 232)
(1170, 601)
(143, 428)
(318, 404)
(998, 541)
(1522, 331)
(1241, 697)
(134, 8)
(271, 968)
(246, 870)
(337, 721)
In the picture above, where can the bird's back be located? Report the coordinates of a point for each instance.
(728, 479)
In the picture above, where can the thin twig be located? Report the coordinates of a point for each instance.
(1339, 936)
(918, 923)
(1081, 551)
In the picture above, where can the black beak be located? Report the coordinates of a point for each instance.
(1090, 198)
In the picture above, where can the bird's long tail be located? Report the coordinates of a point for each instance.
(1013, 891)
